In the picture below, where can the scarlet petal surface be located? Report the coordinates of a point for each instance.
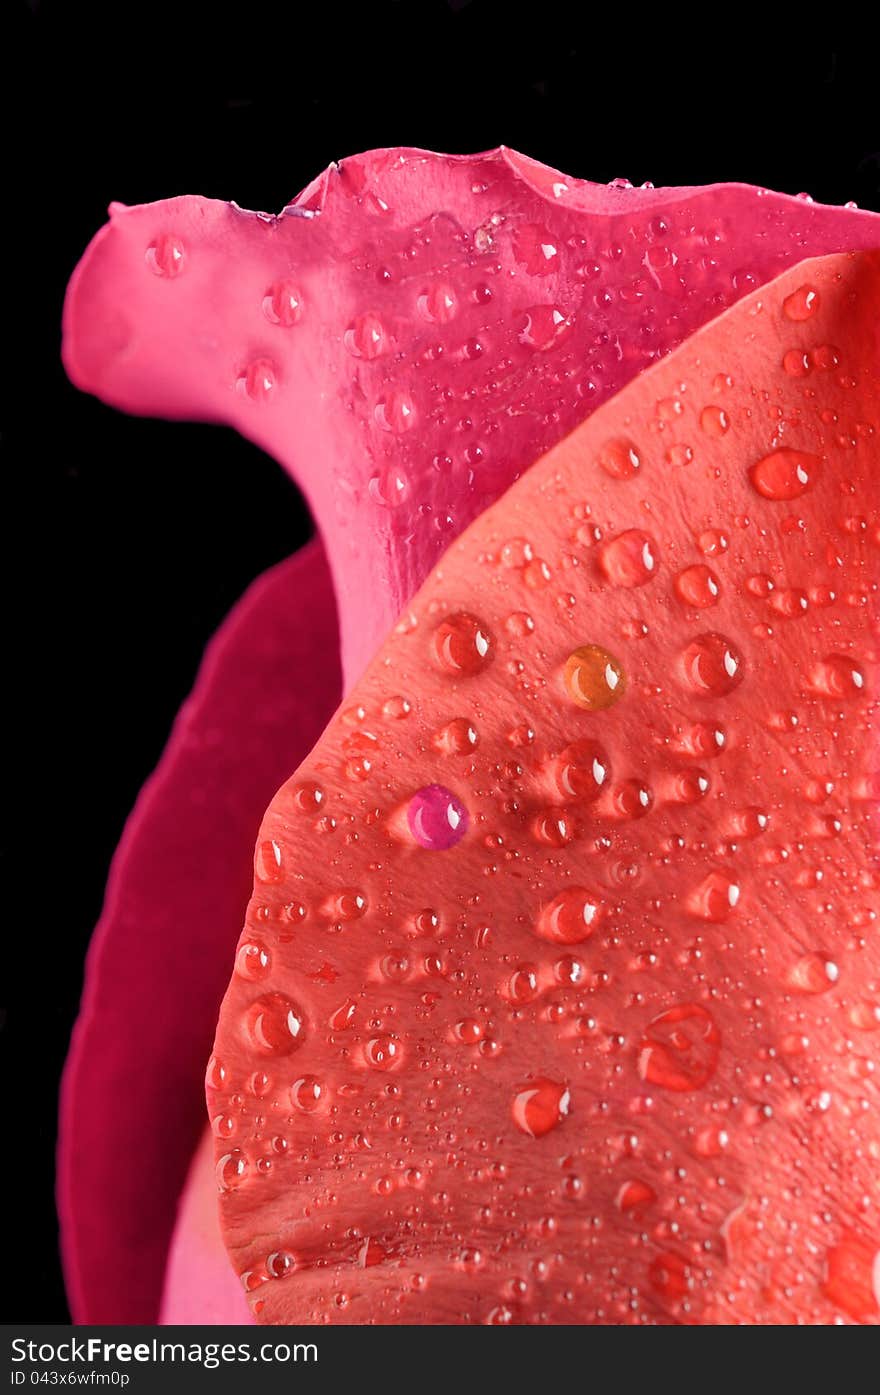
(484, 1122)
(414, 330)
(132, 1100)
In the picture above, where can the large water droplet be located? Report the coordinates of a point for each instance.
(166, 256)
(437, 819)
(716, 898)
(813, 973)
(540, 1105)
(572, 916)
(697, 586)
(462, 644)
(712, 665)
(275, 1024)
(366, 337)
(619, 459)
(581, 770)
(630, 559)
(594, 679)
(680, 1048)
(801, 304)
(784, 474)
(282, 304)
(836, 676)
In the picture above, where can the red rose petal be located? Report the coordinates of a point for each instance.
(132, 1103)
(434, 1095)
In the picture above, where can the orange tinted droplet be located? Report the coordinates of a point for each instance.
(462, 644)
(539, 1106)
(594, 679)
(784, 474)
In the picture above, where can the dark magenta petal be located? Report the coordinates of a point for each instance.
(132, 1098)
(416, 329)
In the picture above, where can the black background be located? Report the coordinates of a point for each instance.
(127, 541)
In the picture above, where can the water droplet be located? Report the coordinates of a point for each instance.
(581, 770)
(366, 337)
(572, 916)
(631, 799)
(593, 678)
(680, 1048)
(619, 459)
(784, 474)
(801, 304)
(671, 1275)
(544, 326)
(306, 1094)
(697, 586)
(836, 676)
(231, 1169)
(383, 1052)
(166, 256)
(523, 985)
(280, 1263)
(634, 1195)
(852, 1277)
(714, 420)
(630, 559)
(716, 898)
(389, 487)
(268, 864)
(712, 665)
(282, 304)
(252, 961)
(462, 644)
(437, 303)
(396, 411)
(813, 973)
(540, 1105)
(437, 819)
(275, 1024)
(535, 249)
(259, 380)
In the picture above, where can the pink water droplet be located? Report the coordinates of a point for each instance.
(259, 380)
(366, 337)
(437, 819)
(282, 304)
(166, 256)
